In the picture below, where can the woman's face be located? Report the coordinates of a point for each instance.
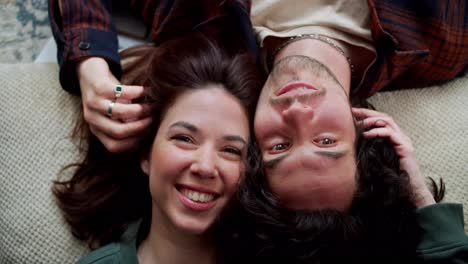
(196, 160)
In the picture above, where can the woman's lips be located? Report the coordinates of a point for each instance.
(294, 87)
(196, 199)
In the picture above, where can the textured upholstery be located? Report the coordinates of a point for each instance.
(37, 117)
(436, 119)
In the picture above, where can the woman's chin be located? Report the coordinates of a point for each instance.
(194, 227)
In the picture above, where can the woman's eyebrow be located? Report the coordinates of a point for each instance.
(194, 129)
(235, 138)
(185, 125)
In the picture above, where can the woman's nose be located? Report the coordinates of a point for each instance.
(204, 164)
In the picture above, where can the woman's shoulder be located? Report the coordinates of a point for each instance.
(122, 252)
(110, 253)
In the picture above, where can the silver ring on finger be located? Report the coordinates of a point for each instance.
(118, 89)
(109, 108)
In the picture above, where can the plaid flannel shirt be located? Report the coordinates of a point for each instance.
(418, 43)
(84, 28)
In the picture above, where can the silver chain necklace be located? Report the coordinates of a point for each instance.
(318, 37)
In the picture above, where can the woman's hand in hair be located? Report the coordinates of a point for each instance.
(383, 125)
(120, 131)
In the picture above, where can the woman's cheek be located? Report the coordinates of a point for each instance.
(235, 176)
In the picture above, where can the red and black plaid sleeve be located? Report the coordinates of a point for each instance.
(171, 18)
(419, 43)
(82, 29)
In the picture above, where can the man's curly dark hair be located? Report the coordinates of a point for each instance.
(378, 228)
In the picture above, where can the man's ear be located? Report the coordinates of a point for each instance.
(144, 164)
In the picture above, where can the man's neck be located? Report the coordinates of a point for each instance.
(322, 52)
(164, 244)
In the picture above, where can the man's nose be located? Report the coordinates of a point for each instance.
(204, 163)
(297, 113)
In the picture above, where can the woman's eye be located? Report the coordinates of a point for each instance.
(182, 138)
(326, 141)
(233, 151)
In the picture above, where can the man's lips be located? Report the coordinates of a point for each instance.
(288, 88)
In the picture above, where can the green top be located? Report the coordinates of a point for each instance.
(123, 251)
(444, 239)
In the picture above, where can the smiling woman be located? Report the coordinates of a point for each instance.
(159, 202)
(196, 161)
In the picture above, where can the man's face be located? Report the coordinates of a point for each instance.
(306, 133)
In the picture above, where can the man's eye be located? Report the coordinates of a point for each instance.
(280, 146)
(182, 138)
(326, 141)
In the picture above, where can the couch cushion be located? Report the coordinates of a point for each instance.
(37, 117)
(436, 120)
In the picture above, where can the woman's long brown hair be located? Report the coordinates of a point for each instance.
(108, 191)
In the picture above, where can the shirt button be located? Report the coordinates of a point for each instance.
(84, 45)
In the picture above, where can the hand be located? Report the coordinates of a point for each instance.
(383, 125)
(119, 132)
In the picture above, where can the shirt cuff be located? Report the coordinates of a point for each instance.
(85, 43)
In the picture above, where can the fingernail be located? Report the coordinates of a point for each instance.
(380, 123)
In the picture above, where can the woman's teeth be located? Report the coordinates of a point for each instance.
(198, 196)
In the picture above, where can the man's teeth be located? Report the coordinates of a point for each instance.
(198, 196)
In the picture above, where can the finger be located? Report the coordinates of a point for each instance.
(117, 110)
(379, 122)
(114, 145)
(379, 132)
(400, 141)
(126, 92)
(125, 111)
(118, 130)
(364, 112)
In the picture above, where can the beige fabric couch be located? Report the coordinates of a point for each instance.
(37, 116)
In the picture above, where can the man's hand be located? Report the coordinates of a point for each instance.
(383, 125)
(119, 129)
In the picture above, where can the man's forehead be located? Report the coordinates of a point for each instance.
(305, 189)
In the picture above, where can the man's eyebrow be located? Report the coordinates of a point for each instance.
(185, 125)
(273, 162)
(235, 138)
(331, 154)
(328, 154)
